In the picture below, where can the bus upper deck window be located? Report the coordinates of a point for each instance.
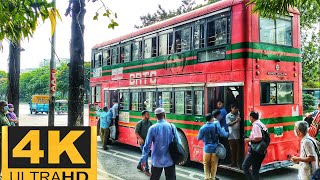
(198, 35)
(106, 58)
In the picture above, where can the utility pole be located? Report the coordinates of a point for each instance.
(52, 75)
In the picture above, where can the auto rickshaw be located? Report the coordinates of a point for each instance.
(61, 106)
(39, 103)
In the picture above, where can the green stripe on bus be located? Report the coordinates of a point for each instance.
(262, 46)
(277, 120)
(271, 130)
(168, 58)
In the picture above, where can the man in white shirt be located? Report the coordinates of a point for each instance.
(233, 121)
(308, 159)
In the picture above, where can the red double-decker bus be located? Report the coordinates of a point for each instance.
(186, 63)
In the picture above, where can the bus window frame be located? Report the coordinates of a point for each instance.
(120, 102)
(195, 103)
(140, 49)
(123, 46)
(140, 103)
(276, 82)
(275, 25)
(96, 93)
(166, 90)
(108, 60)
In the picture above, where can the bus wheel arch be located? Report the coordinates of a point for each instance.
(185, 145)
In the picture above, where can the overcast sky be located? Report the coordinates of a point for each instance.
(129, 11)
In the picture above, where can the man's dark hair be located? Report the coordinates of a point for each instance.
(254, 115)
(216, 113)
(105, 108)
(209, 117)
(234, 106)
(219, 100)
(143, 112)
(319, 105)
(2, 103)
(114, 100)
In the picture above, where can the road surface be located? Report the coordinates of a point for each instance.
(120, 161)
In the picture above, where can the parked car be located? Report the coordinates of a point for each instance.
(39, 104)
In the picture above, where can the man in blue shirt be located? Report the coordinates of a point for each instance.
(160, 135)
(208, 133)
(105, 120)
(223, 123)
(314, 113)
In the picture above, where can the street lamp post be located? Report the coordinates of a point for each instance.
(52, 77)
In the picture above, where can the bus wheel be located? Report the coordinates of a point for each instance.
(184, 142)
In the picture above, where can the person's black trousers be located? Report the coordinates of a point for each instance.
(253, 159)
(170, 172)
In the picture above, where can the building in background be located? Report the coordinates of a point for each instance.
(46, 62)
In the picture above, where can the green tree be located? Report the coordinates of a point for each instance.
(62, 81)
(311, 60)
(3, 84)
(18, 20)
(278, 7)
(162, 14)
(34, 82)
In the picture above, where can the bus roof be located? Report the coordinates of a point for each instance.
(180, 18)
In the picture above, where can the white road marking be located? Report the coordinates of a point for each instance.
(108, 174)
(118, 154)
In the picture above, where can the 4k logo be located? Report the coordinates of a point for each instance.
(51, 152)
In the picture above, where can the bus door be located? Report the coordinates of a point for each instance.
(229, 95)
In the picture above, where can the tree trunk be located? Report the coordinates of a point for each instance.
(14, 75)
(76, 67)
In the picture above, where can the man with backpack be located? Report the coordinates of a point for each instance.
(160, 136)
(257, 151)
(209, 133)
(141, 131)
(308, 159)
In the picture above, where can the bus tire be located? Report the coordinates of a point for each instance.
(185, 146)
(30, 111)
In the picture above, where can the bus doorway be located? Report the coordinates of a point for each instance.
(229, 95)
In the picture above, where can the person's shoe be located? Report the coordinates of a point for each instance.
(147, 173)
(106, 148)
(139, 167)
(217, 178)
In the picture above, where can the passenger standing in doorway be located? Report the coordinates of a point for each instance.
(233, 120)
(254, 159)
(208, 133)
(115, 115)
(223, 123)
(3, 122)
(160, 136)
(141, 131)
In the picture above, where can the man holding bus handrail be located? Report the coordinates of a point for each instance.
(208, 133)
(115, 115)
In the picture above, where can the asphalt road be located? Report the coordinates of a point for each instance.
(120, 161)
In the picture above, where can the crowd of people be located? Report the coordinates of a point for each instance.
(221, 128)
